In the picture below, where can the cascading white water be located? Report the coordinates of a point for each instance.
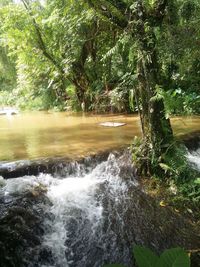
(89, 217)
(194, 158)
(65, 195)
(74, 203)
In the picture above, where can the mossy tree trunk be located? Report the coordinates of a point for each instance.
(141, 21)
(156, 128)
(81, 78)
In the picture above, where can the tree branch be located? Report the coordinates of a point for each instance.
(114, 10)
(158, 11)
(41, 42)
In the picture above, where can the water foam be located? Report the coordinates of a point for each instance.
(72, 197)
(194, 158)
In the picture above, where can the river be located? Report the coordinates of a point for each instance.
(89, 212)
(43, 134)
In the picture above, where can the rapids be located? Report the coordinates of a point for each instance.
(85, 217)
(194, 158)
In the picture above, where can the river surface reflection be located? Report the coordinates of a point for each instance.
(41, 134)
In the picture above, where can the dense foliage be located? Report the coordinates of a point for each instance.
(65, 53)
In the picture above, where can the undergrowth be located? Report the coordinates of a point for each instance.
(173, 178)
(174, 257)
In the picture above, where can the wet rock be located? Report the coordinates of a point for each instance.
(129, 217)
(139, 219)
(20, 229)
(45, 257)
(55, 166)
(191, 140)
(127, 169)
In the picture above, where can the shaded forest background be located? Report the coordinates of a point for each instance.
(60, 54)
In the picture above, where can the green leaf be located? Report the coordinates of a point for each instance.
(145, 257)
(197, 181)
(165, 167)
(182, 261)
(175, 257)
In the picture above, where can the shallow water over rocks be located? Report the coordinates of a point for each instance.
(86, 214)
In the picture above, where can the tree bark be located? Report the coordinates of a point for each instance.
(157, 131)
(80, 78)
(156, 128)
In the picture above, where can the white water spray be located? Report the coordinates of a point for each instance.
(194, 158)
(71, 197)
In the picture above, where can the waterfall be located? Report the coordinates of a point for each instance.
(194, 158)
(89, 215)
(74, 214)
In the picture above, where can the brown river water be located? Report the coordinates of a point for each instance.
(41, 134)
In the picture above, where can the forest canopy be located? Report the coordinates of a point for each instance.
(61, 53)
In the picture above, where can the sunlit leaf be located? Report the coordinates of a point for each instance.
(163, 204)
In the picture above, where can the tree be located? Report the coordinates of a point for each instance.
(141, 19)
(61, 90)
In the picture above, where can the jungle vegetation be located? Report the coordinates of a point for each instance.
(61, 53)
(108, 56)
(174, 257)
